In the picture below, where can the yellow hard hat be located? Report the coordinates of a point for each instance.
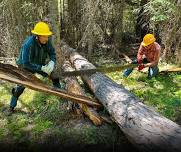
(41, 28)
(148, 39)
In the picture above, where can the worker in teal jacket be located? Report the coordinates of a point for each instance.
(34, 53)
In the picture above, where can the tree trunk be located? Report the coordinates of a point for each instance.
(73, 87)
(118, 24)
(142, 22)
(54, 9)
(90, 46)
(145, 128)
(14, 31)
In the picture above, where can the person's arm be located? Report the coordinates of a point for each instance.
(156, 58)
(51, 51)
(25, 58)
(140, 54)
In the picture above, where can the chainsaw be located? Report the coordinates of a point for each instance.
(99, 69)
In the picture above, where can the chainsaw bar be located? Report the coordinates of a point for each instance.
(99, 69)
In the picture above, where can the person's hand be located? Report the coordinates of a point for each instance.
(45, 69)
(50, 66)
(141, 67)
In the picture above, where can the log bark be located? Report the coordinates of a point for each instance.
(15, 75)
(171, 70)
(145, 128)
(73, 86)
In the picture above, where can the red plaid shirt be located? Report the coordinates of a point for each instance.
(152, 53)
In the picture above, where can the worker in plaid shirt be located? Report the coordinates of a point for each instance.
(148, 56)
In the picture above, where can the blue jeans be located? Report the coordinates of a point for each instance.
(18, 90)
(152, 71)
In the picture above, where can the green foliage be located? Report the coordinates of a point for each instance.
(129, 19)
(159, 18)
(41, 125)
(160, 10)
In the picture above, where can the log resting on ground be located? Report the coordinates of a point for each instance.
(171, 70)
(145, 128)
(73, 86)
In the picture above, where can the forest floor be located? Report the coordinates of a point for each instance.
(42, 122)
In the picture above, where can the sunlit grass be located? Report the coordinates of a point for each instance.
(39, 115)
(163, 92)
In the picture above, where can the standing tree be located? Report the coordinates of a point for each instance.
(142, 21)
(12, 26)
(17, 19)
(54, 18)
(118, 23)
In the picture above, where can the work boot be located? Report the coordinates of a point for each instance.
(11, 111)
(8, 112)
(76, 108)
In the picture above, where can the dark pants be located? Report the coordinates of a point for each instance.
(18, 90)
(152, 71)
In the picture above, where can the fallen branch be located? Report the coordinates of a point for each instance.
(15, 75)
(171, 70)
(73, 87)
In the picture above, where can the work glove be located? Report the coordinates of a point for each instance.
(48, 68)
(45, 69)
(141, 67)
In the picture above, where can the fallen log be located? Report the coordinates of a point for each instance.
(171, 70)
(15, 75)
(73, 87)
(145, 128)
(128, 60)
(166, 71)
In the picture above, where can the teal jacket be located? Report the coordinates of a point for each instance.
(33, 54)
